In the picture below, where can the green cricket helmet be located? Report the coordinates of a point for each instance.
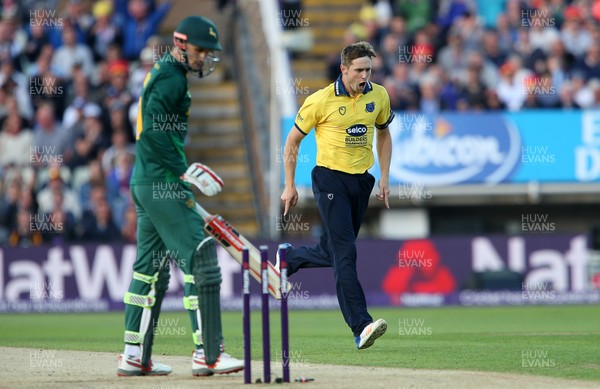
(200, 32)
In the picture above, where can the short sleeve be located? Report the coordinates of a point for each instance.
(386, 115)
(308, 115)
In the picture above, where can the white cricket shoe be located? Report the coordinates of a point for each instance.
(370, 333)
(225, 364)
(131, 366)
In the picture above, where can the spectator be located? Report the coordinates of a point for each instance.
(9, 48)
(491, 49)
(575, 37)
(15, 142)
(27, 199)
(594, 86)
(487, 71)
(117, 185)
(453, 58)
(76, 19)
(140, 24)
(559, 62)
(19, 87)
(63, 223)
(334, 62)
(100, 227)
(582, 94)
(390, 52)
(50, 138)
(430, 103)
(417, 13)
(405, 91)
(79, 96)
(89, 137)
(566, 97)
(489, 10)
(49, 197)
(589, 66)
(449, 94)
(493, 102)
(23, 235)
(105, 31)
(93, 189)
(136, 80)
(507, 36)
(9, 207)
(378, 71)
(120, 144)
(37, 38)
(511, 89)
(468, 28)
(542, 33)
(117, 90)
(129, 229)
(45, 86)
(71, 53)
(472, 90)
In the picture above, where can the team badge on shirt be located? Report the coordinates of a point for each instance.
(342, 110)
(370, 107)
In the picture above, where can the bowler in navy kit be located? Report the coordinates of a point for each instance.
(346, 116)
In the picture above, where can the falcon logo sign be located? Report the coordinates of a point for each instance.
(460, 149)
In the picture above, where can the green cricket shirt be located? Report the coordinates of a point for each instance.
(163, 110)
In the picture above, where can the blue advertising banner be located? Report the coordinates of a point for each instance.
(485, 148)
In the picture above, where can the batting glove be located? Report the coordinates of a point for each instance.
(203, 178)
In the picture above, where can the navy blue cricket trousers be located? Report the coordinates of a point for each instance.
(342, 199)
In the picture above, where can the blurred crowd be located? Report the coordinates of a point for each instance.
(70, 78)
(456, 55)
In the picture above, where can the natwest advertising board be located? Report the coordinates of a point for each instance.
(429, 272)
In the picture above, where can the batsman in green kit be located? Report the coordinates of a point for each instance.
(169, 228)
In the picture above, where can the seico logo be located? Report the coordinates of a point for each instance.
(357, 130)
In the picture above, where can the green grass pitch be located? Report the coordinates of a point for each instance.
(557, 341)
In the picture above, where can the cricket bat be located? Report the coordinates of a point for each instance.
(234, 243)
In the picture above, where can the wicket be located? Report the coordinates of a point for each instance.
(265, 315)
